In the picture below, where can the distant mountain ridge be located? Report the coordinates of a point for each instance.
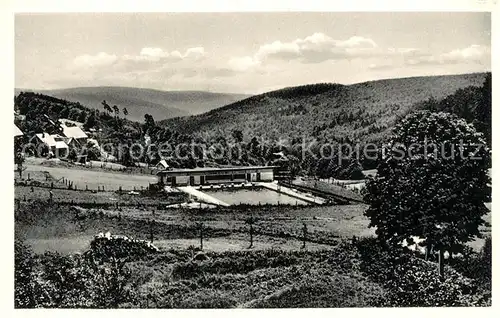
(364, 111)
(140, 101)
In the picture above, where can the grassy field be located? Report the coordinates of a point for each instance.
(329, 223)
(92, 179)
(109, 198)
(225, 229)
(331, 271)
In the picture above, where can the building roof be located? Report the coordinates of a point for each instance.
(17, 131)
(52, 140)
(73, 132)
(47, 139)
(61, 144)
(163, 163)
(198, 171)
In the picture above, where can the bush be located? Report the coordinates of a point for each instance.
(25, 295)
(208, 298)
(476, 266)
(414, 282)
(322, 291)
(107, 246)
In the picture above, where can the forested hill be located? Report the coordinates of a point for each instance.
(364, 111)
(321, 113)
(141, 101)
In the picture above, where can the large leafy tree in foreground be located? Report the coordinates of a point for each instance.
(432, 182)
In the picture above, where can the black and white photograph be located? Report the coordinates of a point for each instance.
(281, 159)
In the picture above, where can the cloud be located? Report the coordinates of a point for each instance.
(195, 53)
(316, 48)
(150, 66)
(471, 55)
(148, 57)
(154, 53)
(474, 54)
(244, 63)
(319, 47)
(99, 60)
(381, 66)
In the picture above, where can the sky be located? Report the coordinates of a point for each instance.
(244, 52)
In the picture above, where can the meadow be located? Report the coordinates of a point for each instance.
(224, 257)
(82, 178)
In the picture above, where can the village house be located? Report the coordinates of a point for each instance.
(17, 131)
(18, 138)
(75, 136)
(56, 144)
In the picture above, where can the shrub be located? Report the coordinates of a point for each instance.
(412, 281)
(208, 298)
(25, 290)
(106, 246)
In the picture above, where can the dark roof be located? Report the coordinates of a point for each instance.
(212, 169)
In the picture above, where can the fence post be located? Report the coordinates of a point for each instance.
(18, 204)
(151, 230)
(201, 236)
(427, 252)
(86, 187)
(441, 263)
(251, 232)
(304, 230)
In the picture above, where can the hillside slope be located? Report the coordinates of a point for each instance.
(363, 111)
(141, 101)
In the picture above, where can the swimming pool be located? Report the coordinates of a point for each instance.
(253, 196)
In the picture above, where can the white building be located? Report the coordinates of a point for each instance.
(56, 144)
